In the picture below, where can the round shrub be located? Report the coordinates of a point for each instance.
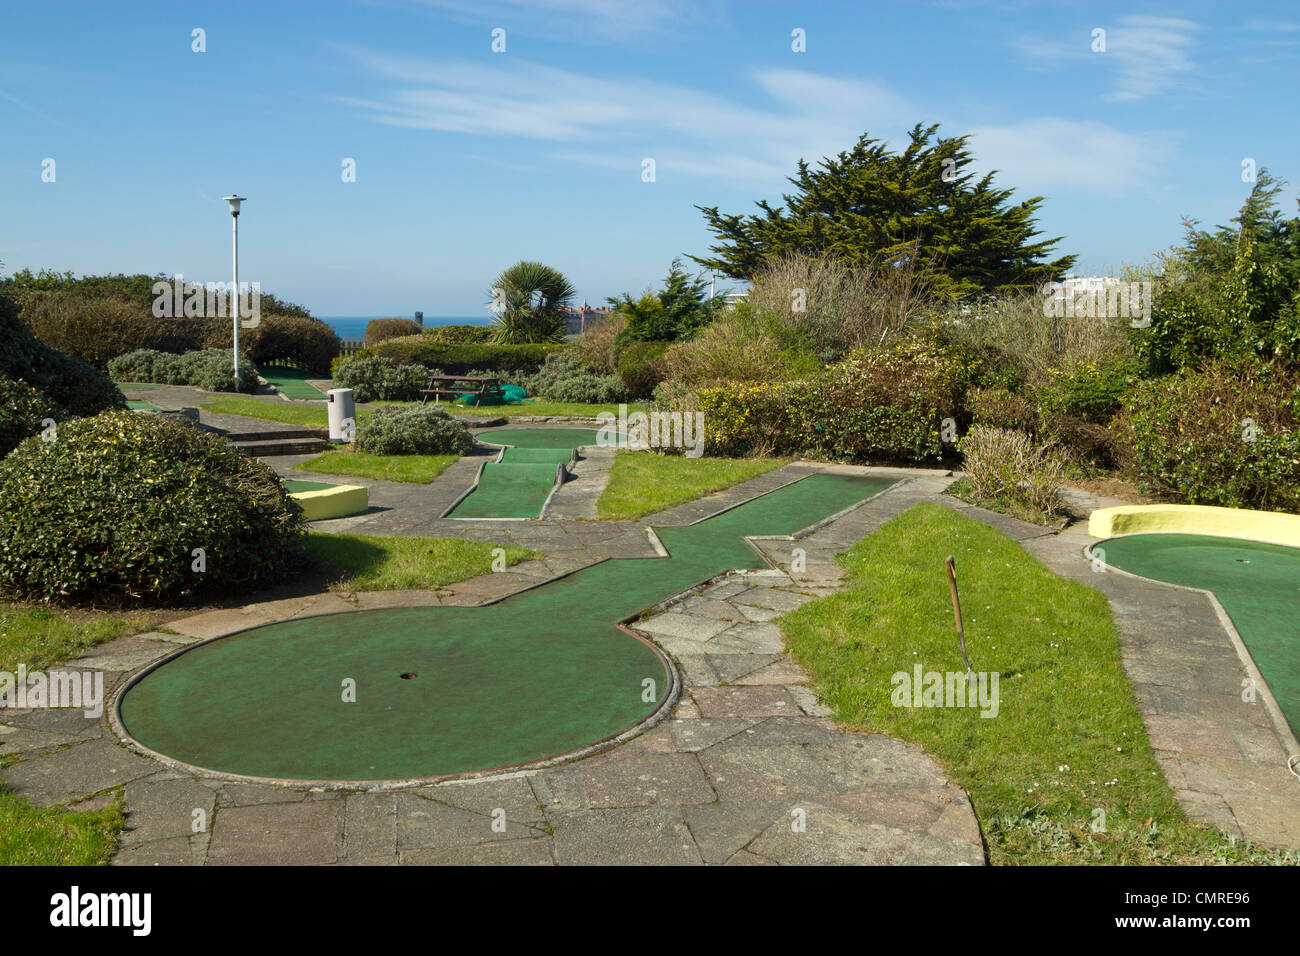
(22, 409)
(379, 330)
(211, 369)
(307, 341)
(112, 509)
(413, 430)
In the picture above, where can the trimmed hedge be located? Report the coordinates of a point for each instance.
(1227, 434)
(414, 430)
(380, 330)
(463, 359)
(113, 508)
(301, 339)
(211, 369)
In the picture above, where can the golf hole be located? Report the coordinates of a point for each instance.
(410, 675)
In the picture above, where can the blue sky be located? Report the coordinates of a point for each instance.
(468, 160)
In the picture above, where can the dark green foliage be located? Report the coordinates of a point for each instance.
(641, 367)
(869, 205)
(413, 430)
(300, 339)
(530, 298)
(22, 410)
(677, 311)
(98, 329)
(112, 509)
(210, 369)
(564, 378)
(378, 330)
(462, 359)
(77, 387)
(1227, 434)
(1234, 292)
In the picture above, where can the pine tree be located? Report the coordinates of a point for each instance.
(869, 205)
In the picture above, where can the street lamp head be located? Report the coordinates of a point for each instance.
(234, 203)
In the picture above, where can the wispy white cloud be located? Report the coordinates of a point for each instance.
(1149, 56)
(617, 122)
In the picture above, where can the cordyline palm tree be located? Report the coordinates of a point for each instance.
(529, 298)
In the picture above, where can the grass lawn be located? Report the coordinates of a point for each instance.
(419, 469)
(642, 482)
(367, 563)
(313, 416)
(38, 637)
(38, 836)
(1067, 739)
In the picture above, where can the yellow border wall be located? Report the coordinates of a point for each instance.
(337, 502)
(1273, 527)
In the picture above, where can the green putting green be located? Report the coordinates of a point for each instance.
(1258, 585)
(138, 405)
(542, 673)
(519, 484)
(292, 382)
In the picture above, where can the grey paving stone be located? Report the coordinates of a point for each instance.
(276, 834)
(175, 851)
(163, 809)
(369, 827)
(534, 852)
(428, 824)
(651, 836)
(81, 770)
(644, 781)
(513, 795)
(721, 830)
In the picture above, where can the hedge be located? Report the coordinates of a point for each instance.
(462, 359)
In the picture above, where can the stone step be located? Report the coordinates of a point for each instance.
(288, 446)
(275, 434)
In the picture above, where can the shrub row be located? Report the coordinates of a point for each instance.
(883, 404)
(211, 369)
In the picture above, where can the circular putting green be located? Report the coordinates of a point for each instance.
(393, 694)
(1258, 585)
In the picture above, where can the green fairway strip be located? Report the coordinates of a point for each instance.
(541, 673)
(137, 405)
(292, 382)
(518, 485)
(1258, 585)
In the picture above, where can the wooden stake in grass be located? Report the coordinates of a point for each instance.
(956, 610)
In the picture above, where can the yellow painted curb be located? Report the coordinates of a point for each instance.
(337, 502)
(1271, 527)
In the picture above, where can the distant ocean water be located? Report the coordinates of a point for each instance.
(354, 326)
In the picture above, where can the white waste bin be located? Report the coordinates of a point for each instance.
(342, 415)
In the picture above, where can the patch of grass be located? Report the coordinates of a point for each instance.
(961, 489)
(1067, 740)
(313, 416)
(368, 563)
(418, 469)
(40, 836)
(642, 482)
(39, 637)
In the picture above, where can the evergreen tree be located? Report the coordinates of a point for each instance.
(870, 205)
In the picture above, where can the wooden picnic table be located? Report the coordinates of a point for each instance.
(439, 385)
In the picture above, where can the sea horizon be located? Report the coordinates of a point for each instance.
(354, 326)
